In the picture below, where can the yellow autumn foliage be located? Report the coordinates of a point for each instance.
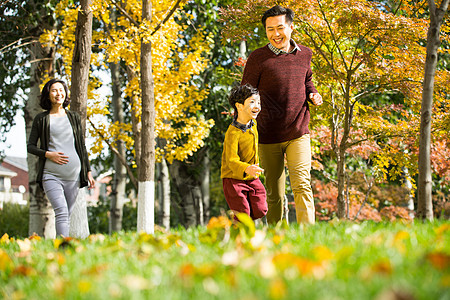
(179, 119)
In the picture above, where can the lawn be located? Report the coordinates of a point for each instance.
(335, 260)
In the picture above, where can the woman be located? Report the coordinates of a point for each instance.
(63, 159)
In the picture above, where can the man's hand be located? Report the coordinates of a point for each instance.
(316, 98)
(57, 157)
(254, 170)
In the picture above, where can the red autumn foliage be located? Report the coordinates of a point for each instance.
(326, 203)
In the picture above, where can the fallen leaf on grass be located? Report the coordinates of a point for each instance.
(219, 222)
(5, 261)
(322, 253)
(35, 237)
(115, 291)
(184, 247)
(277, 239)
(84, 286)
(134, 282)
(186, 270)
(25, 248)
(398, 241)
(59, 286)
(24, 271)
(63, 243)
(97, 237)
(210, 286)
(443, 228)
(382, 267)
(95, 270)
(439, 260)
(230, 258)
(5, 239)
(401, 235)
(277, 289)
(283, 261)
(394, 295)
(258, 239)
(267, 268)
(206, 270)
(304, 266)
(56, 257)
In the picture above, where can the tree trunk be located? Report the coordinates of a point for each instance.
(409, 187)
(42, 216)
(146, 189)
(188, 190)
(341, 185)
(204, 185)
(119, 182)
(164, 182)
(163, 188)
(343, 146)
(135, 121)
(424, 201)
(81, 62)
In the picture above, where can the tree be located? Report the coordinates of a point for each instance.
(81, 62)
(146, 195)
(425, 206)
(118, 192)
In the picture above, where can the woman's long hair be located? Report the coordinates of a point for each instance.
(45, 102)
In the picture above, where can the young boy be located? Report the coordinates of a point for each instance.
(243, 190)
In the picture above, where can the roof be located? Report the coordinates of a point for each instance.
(18, 162)
(7, 172)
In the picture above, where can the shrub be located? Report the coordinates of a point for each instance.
(14, 220)
(98, 217)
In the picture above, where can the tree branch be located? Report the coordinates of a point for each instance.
(335, 41)
(370, 184)
(171, 12)
(18, 46)
(124, 12)
(116, 152)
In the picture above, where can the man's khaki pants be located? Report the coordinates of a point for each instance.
(298, 159)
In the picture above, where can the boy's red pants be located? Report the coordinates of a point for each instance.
(246, 196)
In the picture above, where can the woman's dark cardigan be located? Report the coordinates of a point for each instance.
(41, 131)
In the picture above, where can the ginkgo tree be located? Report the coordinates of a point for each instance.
(178, 119)
(361, 48)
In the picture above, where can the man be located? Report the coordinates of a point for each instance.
(281, 71)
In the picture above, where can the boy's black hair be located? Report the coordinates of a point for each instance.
(278, 11)
(45, 94)
(240, 93)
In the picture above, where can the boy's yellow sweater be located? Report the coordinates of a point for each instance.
(240, 150)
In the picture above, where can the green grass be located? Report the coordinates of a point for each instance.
(326, 261)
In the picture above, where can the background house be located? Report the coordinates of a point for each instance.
(14, 180)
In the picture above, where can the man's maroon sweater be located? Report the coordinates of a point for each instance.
(284, 83)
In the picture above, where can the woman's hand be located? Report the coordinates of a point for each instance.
(57, 157)
(91, 180)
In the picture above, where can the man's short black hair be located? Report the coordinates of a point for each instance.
(278, 11)
(240, 93)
